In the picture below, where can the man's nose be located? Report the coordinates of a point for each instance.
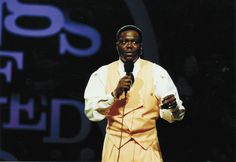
(129, 44)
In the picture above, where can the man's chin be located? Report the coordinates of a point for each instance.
(133, 59)
(129, 57)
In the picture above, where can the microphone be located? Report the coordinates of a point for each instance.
(129, 66)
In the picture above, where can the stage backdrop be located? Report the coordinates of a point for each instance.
(49, 48)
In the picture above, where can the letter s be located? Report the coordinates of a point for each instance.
(18, 9)
(82, 30)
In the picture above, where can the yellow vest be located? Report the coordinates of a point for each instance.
(141, 108)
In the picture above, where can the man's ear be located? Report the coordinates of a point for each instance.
(117, 49)
(141, 50)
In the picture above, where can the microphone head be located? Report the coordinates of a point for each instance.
(129, 66)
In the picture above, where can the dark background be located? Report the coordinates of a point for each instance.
(195, 42)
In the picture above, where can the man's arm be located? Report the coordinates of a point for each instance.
(171, 108)
(97, 102)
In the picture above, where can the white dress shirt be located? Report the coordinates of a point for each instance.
(97, 99)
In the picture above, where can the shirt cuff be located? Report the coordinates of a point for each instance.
(110, 99)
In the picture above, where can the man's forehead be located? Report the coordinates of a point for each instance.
(129, 34)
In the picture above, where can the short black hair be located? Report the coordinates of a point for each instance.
(129, 27)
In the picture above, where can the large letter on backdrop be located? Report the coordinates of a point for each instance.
(18, 10)
(16, 107)
(84, 124)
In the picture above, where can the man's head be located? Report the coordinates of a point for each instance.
(129, 43)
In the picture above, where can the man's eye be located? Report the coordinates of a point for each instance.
(123, 42)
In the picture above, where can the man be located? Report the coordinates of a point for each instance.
(132, 94)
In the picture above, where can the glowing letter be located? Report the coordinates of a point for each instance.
(18, 10)
(17, 57)
(15, 110)
(55, 122)
(84, 31)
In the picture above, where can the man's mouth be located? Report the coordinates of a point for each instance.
(128, 54)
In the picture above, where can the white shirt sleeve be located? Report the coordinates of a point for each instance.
(164, 86)
(96, 99)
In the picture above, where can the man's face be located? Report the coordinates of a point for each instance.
(129, 46)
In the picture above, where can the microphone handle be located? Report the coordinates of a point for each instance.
(126, 92)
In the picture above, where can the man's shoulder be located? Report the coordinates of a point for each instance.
(100, 69)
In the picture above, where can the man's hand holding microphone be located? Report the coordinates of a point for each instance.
(124, 85)
(125, 82)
